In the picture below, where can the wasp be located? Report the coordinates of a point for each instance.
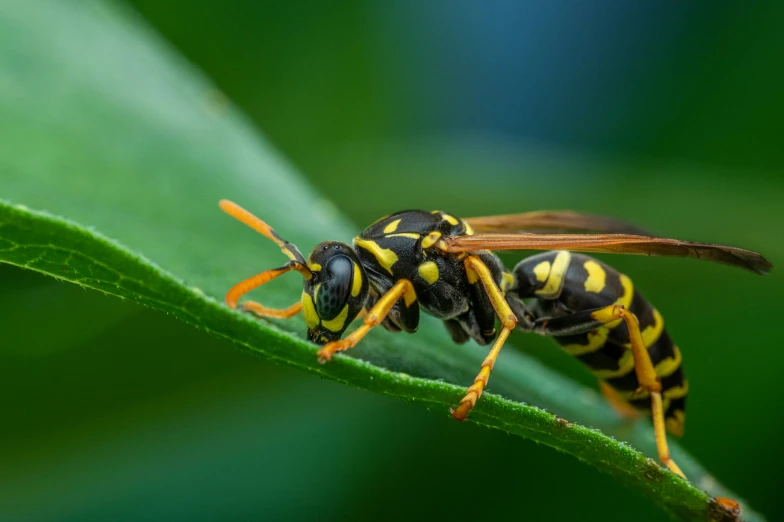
(433, 261)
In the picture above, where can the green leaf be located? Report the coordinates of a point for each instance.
(113, 157)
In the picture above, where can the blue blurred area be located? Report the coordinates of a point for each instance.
(667, 115)
(559, 72)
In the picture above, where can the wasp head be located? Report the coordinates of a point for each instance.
(336, 293)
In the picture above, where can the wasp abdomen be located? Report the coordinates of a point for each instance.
(565, 283)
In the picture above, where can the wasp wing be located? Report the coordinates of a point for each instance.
(611, 244)
(553, 220)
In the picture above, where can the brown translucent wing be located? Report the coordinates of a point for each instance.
(611, 244)
(552, 220)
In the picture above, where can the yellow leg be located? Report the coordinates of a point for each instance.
(477, 270)
(623, 408)
(374, 317)
(646, 375)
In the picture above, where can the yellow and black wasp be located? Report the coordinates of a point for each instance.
(444, 265)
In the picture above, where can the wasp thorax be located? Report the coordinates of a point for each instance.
(335, 294)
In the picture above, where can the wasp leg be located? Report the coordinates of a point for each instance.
(585, 321)
(621, 407)
(243, 287)
(646, 375)
(374, 317)
(477, 270)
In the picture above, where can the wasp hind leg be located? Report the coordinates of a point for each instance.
(585, 321)
(646, 375)
(621, 407)
(478, 271)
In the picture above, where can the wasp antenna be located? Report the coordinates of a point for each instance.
(242, 215)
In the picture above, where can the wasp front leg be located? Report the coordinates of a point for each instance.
(402, 289)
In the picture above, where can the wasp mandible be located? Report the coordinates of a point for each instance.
(444, 265)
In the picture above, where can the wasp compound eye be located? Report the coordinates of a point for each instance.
(332, 293)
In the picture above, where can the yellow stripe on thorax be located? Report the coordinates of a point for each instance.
(409, 235)
(392, 226)
(385, 257)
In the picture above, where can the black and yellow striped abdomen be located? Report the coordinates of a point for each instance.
(564, 283)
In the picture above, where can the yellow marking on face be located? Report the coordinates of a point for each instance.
(356, 286)
(652, 332)
(452, 220)
(316, 291)
(667, 367)
(542, 271)
(507, 281)
(675, 423)
(336, 324)
(556, 278)
(428, 271)
(431, 239)
(625, 365)
(469, 230)
(596, 339)
(597, 277)
(676, 392)
(309, 311)
(392, 226)
(314, 267)
(385, 257)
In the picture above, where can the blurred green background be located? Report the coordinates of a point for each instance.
(669, 116)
